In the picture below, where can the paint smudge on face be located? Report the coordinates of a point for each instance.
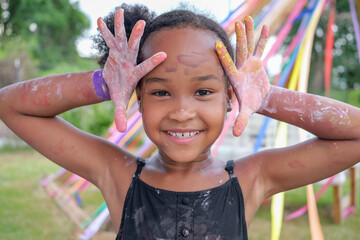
(193, 60)
(171, 67)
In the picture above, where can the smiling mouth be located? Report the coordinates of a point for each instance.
(183, 135)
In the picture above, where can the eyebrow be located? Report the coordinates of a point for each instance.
(197, 78)
(155, 80)
(205, 77)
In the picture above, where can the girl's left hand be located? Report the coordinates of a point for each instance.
(247, 75)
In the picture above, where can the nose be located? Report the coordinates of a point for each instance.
(182, 111)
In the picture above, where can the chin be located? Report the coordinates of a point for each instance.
(184, 156)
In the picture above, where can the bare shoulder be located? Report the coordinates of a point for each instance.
(248, 171)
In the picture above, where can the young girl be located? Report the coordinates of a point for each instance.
(184, 84)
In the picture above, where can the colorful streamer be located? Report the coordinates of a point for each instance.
(329, 46)
(356, 26)
(285, 30)
(277, 203)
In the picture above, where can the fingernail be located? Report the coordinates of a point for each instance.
(218, 46)
(159, 57)
(248, 19)
(266, 31)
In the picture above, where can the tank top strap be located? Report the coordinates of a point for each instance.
(140, 164)
(230, 168)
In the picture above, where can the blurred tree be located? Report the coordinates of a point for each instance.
(346, 70)
(49, 27)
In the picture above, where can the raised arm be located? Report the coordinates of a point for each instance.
(335, 124)
(30, 108)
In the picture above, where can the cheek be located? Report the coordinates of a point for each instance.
(215, 112)
(151, 115)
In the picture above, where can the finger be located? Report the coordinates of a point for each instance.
(241, 44)
(120, 34)
(250, 35)
(262, 41)
(241, 121)
(120, 118)
(149, 64)
(134, 40)
(106, 34)
(226, 60)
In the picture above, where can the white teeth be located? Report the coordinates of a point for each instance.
(183, 135)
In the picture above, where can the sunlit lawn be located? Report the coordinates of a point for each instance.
(27, 212)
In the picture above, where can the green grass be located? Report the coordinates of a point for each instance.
(27, 212)
(298, 229)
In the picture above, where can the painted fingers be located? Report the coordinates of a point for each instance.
(234, 76)
(247, 75)
(134, 40)
(259, 50)
(106, 34)
(149, 64)
(121, 72)
(245, 41)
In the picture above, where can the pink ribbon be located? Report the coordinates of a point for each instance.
(304, 209)
(285, 30)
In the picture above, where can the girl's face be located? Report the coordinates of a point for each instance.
(184, 100)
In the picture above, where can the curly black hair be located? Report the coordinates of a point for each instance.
(172, 19)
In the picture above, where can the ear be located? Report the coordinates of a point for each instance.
(138, 97)
(229, 94)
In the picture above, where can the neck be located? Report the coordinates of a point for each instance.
(203, 162)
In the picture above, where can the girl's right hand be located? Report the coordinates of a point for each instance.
(121, 73)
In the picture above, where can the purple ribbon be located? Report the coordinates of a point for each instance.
(356, 26)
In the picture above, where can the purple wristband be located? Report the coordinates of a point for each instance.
(100, 86)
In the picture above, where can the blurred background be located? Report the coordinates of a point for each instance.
(45, 37)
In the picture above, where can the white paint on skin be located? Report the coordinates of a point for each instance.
(265, 106)
(333, 114)
(59, 91)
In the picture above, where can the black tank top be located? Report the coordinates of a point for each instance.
(150, 213)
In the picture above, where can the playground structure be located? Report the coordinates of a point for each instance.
(260, 133)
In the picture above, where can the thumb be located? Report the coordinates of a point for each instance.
(241, 120)
(120, 119)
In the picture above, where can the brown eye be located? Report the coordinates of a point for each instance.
(202, 92)
(160, 93)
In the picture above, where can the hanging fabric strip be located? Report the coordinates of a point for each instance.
(285, 30)
(277, 202)
(314, 220)
(301, 211)
(329, 46)
(356, 26)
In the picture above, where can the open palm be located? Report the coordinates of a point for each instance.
(121, 72)
(247, 76)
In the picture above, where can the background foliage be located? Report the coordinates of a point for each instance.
(40, 36)
(37, 38)
(49, 28)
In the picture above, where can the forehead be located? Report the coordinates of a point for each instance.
(189, 46)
